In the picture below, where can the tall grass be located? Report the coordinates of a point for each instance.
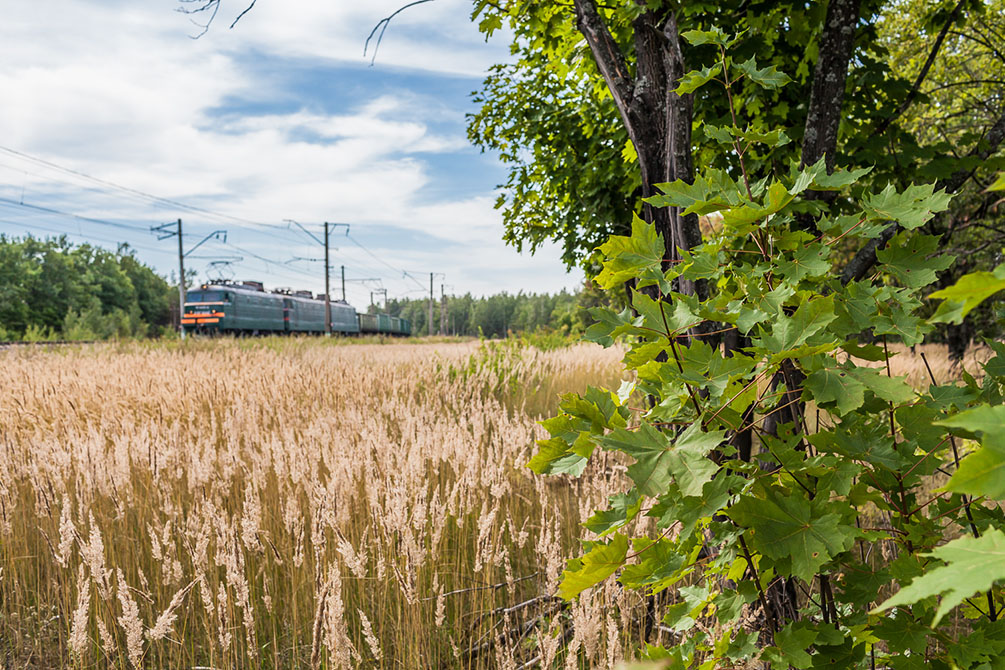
(283, 503)
(287, 503)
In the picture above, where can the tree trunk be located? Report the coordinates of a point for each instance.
(658, 120)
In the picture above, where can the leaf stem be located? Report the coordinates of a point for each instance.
(768, 612)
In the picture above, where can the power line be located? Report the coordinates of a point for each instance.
(140, 194)
(50, 210)
(264, 228)
(68, 233)
(382, 261)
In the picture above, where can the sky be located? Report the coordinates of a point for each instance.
(115, 120)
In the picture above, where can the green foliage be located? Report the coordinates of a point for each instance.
(572, 171)
(972, 565)
(832, 509)
(52, 290)
(546, 320)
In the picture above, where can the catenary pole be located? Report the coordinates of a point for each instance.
(181, 282)
(431, 303)
(343, 283)
(328, 291)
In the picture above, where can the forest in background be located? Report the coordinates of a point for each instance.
(52, 289)
(501, 314)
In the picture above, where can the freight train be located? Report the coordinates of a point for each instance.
(248, 309)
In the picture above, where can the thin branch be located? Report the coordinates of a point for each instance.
(241, 15)
(916, 88)
(865, 259)
(382, 26)
(212, 6)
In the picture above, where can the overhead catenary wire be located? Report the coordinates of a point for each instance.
(90, 238)
(143, 195)
(82, 179)
(88, 219)
(383, 262)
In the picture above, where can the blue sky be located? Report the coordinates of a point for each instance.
(280, 118)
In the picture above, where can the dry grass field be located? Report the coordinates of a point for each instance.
(297, 504)
(289, 503)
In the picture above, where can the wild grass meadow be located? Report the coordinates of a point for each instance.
(295, 504)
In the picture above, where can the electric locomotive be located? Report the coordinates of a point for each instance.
(247, 308)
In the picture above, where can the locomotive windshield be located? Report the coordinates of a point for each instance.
(206, 296)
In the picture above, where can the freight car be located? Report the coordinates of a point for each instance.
(247, 308)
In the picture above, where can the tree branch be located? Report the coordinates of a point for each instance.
(983, 149)
(610, 61)
(865, 259)
(382, 26)
(916, 88)
(211, 6)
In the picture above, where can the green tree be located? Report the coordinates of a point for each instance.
(771, 556)
(50, 286)
(853, 105)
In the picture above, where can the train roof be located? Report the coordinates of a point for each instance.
(252, 289)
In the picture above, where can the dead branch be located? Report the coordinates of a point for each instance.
(211, 7)
(382, 26)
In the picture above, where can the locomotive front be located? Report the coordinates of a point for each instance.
(206, 310)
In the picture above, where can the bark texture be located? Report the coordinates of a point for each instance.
(827, 96)
(658, 120)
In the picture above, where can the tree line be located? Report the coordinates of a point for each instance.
(53, 289)
(499, 315)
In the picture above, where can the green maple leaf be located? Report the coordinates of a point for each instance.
(902, 632)
(808, 261)
(699, 37)
(911, 209)
(786, 528)
(982, 473)
(659, 568)
(891, 389)
(639, 256)
(744, 215)
(912, 259)
(553, 457)
(695, 79)
(773, 138)
(658, 463)
(650, 448)
(969, 291)
(792, 643)
(664, 316)
(836, 386)
(816, 176)
(608, 325)
(721, 134)
(768, 77)
(623, 508)
(787, 332)
(972, 565)
(710, 192)
(602, 561)
(984, 419)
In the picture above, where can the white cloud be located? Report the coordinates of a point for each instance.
(119, 91)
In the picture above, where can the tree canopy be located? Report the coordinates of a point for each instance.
(52, 288)
(873, 84)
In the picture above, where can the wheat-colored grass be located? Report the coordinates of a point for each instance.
(283, 503)
(296, 503)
